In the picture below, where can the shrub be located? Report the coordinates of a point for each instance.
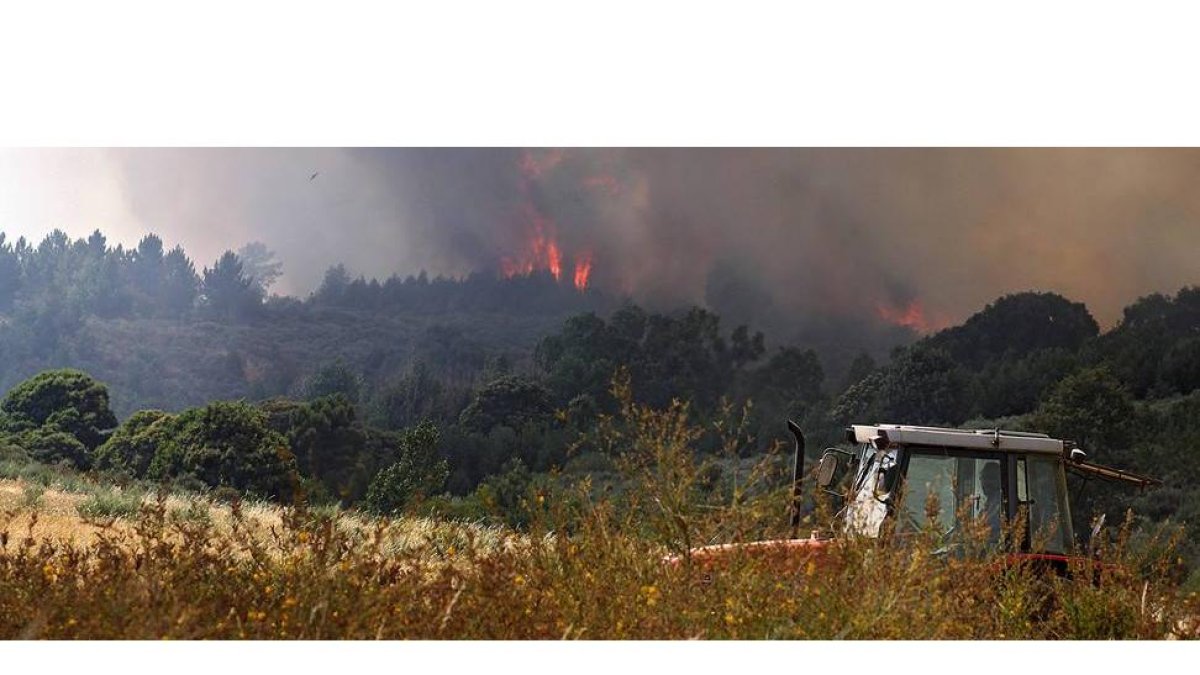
(419, 472)
(333, 378)
(50, 446)
(132, 447)
(227, 443)
(510, 401)
(65, 400)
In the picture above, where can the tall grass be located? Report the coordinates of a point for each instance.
(591, 565)
(111, 504)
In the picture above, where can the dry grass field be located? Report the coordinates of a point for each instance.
(81, 559)
(62, 517)
(184, 568)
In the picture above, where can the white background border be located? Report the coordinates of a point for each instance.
(130, 73)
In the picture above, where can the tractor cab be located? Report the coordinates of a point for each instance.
(909, 479)
(916, 478)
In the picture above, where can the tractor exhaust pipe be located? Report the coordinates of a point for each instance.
(797, 475)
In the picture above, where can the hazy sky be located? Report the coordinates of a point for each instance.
(796, 231)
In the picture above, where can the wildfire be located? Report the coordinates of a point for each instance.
(540, 248)
(543, 253)
(583, 269)
(912, 316)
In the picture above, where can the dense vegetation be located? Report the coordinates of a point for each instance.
(476, 398)
(164, 332)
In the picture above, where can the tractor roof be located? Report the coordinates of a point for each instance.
(993, 440)
(997, 440)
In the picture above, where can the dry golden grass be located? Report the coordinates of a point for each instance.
(312, 577)
(56, 518)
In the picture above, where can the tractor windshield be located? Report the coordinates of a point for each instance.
(943, 487)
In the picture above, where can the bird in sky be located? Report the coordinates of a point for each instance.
(314, 175)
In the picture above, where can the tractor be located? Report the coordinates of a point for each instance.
(913, 478)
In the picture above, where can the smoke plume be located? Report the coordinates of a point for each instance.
(798, 239)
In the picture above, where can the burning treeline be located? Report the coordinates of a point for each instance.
(540, 249)
(912, 238)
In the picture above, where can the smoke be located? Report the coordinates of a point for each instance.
(805, 241)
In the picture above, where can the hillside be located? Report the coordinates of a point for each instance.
(171, 364)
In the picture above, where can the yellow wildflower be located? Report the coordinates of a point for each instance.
(651, 594)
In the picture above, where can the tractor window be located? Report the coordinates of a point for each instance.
(1050, 529)
(939, 488)
(929, 492)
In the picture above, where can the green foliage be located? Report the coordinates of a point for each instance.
(230, 444)
(1137, 350)
(333, 449)
(510, 401)
(10, 274)
(419, 395)
(226, 292)
(924, 386)
(132, 447)
(161, 285)
(50, 446)
(333, 287)
(860, 401)
(1016, 385)
(461, 352)
(1015, 325)
(509, 495)
(667, 357)
(334, 378)
(136, 319)
(1092, 408)
(67, 401)
(1095, 410)
(789, 376)
(180, 284)
(110, 504)
(419, 472)
(1180, 369)
(1000, 362)
(860, 368)
(787, 386)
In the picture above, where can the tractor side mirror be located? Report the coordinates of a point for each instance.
(833, 466)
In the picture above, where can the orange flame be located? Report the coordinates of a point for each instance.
(554, 259)
(583, 270)
(541, 250)
(912, 316)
